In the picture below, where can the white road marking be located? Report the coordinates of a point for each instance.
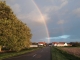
(34, 55)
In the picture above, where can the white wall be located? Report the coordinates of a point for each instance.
(65, 44)
(61, 44)
(33, 45)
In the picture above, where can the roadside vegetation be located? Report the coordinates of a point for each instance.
(75, 44)
(12, 54)
(58, 54)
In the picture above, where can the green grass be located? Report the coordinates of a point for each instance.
(62, 55)
(11, 54)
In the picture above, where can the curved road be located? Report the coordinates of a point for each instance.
(41, 54)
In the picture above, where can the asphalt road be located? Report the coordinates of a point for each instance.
(41, 54)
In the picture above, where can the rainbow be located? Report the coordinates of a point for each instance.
(42, 19)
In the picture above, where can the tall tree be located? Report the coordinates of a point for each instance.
(14, 34)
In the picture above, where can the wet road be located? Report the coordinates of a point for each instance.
(41, 54)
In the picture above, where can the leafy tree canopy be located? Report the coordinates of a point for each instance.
(14, 34)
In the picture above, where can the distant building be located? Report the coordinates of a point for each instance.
(41, 43)
(34, 44)
(60, 44)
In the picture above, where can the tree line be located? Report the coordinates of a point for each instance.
(75, 44)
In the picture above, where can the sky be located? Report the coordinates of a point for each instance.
(49, 20)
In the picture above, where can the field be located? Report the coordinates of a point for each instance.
(60, 53)
(72, 50)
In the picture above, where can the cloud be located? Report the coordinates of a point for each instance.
(60, 37)
(64, 2)
(34, 16)
(16, 8)
(30, 12)
(61, 22)
(50, 9)
(64, 36)
(77, 12)
(55, 7)
(11, 1)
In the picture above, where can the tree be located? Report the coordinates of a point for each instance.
(75, 44)
(0, 48)
(14, 34)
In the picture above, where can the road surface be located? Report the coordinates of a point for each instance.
(41, 54)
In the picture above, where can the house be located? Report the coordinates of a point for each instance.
(41, 43)
(54, 43)
(34, 45)
(59, 44)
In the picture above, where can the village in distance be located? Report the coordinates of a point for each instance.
(57, 44)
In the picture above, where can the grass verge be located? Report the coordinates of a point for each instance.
(11, 54)
(62, 55)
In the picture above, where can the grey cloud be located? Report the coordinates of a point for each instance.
(62, 18)
(77, 12)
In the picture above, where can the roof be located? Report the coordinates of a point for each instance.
(61, 43)
(58, 42)
(41, 42)
(54, 42)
